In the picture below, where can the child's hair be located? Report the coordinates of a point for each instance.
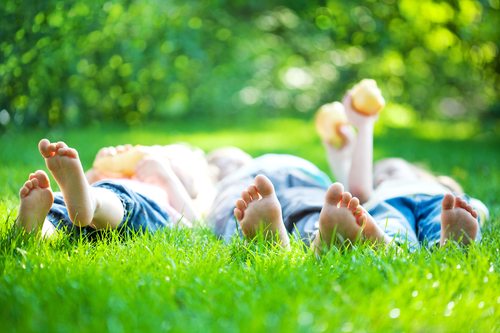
(422, 173)
(446, 181)
(227, 160)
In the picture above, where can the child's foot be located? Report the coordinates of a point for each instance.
(111, 151)
(458, 221)
(341, 216)
(36, 199)
(259, 209)
(344, 219)
(65, 166)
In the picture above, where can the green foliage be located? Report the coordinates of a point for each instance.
(80, 62)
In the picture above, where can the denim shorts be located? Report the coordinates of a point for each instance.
(140, 212)
(413, 220)
(300, 187)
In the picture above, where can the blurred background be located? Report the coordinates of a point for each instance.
(69, 63)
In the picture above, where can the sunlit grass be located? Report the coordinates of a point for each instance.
(187, 280)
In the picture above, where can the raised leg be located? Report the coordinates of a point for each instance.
(97, 207)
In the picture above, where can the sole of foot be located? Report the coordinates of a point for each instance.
(66, 168)
(341, 218)
(36, 200)
(259, 210)
(458, 221)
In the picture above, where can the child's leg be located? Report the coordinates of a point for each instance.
(86, 205)
(343, 218)
(361, 172)
(339, 159)
(259, 209)
(36, 199)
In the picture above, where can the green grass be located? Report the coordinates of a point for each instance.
(187, 280)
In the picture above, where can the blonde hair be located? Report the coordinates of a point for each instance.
(422, 173)
(227, 160)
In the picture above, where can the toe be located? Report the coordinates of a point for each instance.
(69, 152)
(357, 210)
(353, 205)
(448, 201)
(471, 210)
(459, 202)
(46, 148)
(346, 197)
(43, 179)
(252, 190)
(72, 153)
(28, 184)
(238, 214)
(264, 185)
(241, 205)
(24, 191)
(361, 221)
(246, 197)
(102, 152)
(464, 205)
(61, 144)
(334, 194)
(34, 182)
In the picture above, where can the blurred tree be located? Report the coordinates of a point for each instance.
(84, 61)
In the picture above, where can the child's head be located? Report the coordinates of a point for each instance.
(393, 169)
(227, 160)
(400, 169)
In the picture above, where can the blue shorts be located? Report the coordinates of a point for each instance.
(412, 220)
(140, 212)
(300, 187)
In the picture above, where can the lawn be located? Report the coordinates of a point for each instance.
(187, 280)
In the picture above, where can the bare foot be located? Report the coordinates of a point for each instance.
(36, 199)
(259, 209)
(458, 221)
(344, 219)
(111, 151)
(65, 166)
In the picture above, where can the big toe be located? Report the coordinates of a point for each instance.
(448, 201)
(334, 194)
(264, 185)
(45, 148)
(43, 179)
